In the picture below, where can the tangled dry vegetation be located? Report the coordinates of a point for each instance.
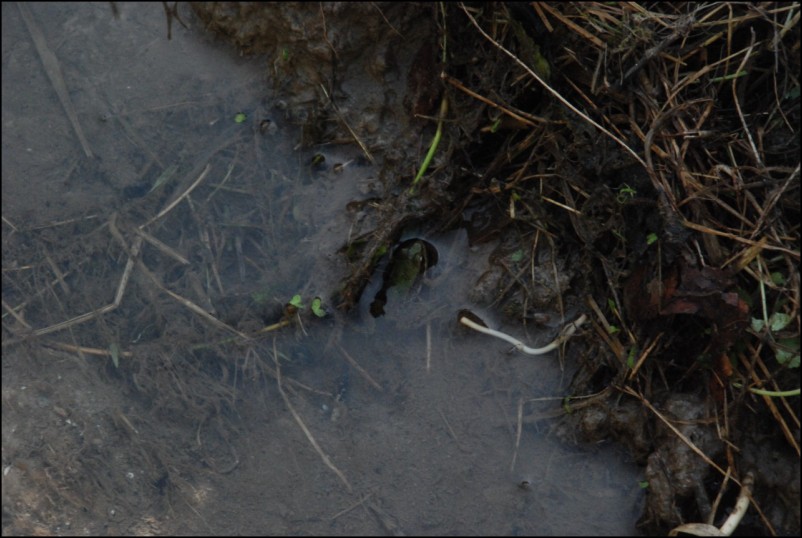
(670, 153)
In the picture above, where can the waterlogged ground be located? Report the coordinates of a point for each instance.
(424, 430)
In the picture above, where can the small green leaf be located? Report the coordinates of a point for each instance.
(643, 484)
(613, 329)
(317, 308)
(517, 256)
(779, 321)
(114, 349)
(611, 305)
(240, 117)
(633, 351)
(297, 302)
(625, 193)
(788, 354)
(790, 360)
(778, 278)
(651, 238)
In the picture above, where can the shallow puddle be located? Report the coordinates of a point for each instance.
(423, 422)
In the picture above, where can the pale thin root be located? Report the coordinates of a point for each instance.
(566, 333)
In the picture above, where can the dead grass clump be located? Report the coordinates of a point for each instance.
(665, 142)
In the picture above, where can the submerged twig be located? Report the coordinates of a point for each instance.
(51, 65)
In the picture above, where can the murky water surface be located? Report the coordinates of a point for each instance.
(427, 434)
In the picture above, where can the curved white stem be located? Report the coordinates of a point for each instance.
(566, 333)
(741, 506)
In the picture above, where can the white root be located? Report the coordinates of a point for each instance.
(565, 334)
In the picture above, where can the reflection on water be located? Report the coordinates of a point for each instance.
(423, 418)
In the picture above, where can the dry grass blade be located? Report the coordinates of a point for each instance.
(53, 71)
(190, 305)
(551, 90)
(678, 433)
(169, 207)
(347, 126)
(118, 296)
(303, 427)
(523, 117)
(361, 370)
(698, 451)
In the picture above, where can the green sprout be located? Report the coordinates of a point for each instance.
(633, 352)
(787, 349)
(625, 193)
(240, 117)
(435, 142)
(317, 307)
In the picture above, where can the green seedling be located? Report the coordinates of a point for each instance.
(240, 117)
(435, 142)
(776, 322)
(317, 307)
(787, 352)
(625, 193)
(633, 352)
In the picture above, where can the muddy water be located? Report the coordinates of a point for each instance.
(425, 429)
